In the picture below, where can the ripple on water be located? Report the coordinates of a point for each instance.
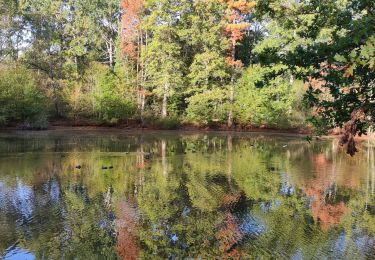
(279, 198)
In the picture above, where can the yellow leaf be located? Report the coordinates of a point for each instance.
(349, 72)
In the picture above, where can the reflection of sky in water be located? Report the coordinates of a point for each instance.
(359, 245)
(18, 254)
(251, 226)
(53, 190)
(298, 255)
(185, 212)
(340, 244)
(3, 195)
(174, 238)
(363, 241)
(22, 199)
(286, 187)
(270, 205)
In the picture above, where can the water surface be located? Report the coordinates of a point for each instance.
(171, 195)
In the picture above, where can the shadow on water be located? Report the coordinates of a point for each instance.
(89, 195)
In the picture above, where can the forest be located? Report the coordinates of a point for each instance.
(210, 63)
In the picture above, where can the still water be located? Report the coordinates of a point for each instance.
(173, 195)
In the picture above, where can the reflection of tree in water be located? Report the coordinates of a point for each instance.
(140, 164)
(186, 200)
(321, 189)
(127, 228)
(89, 230)
(229, 234)
(335, 184)
(63, 219)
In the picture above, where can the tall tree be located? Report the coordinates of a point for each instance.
(13, 29)
(165, 66)
(107, 19)
(208, 71)
(134, 40)
(236, 24)
(164, 51)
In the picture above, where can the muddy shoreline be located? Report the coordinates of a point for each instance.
(129, 128)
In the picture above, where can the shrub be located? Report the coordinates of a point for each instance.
(112, 108)
(277, 103)
(100, 95)
(207, 108)
(113, 103)
(21, 100)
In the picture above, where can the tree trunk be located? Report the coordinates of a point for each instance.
(231, 90)
(143, 79)
(143, 99)
(165, 101)
(140, 78)
(54, 90)
(231, 100)
(291, 79)
(110, 53)
(77, 66)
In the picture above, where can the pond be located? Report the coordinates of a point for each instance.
(177, 195)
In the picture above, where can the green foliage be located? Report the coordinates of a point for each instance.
(113, 103)
(278, 104)
(330, 45)
(100, 96)
(21, 100)
(207, 108)
(208, 71)
(163, 54)
(114, 109)
(174, 59)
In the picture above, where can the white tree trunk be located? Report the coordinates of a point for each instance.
(231, 100)
(110, 53)
(165, 101)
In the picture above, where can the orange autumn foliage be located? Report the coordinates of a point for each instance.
(236, 25)
(230, 199)
(130, 27)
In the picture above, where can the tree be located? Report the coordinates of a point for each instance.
(107, 17)
(134, 40)
(13, 30)
(48, 45)
(330, 46)
(21, 100)
(164, 69)
(236, 12)
(208, 72)
(130, 27)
